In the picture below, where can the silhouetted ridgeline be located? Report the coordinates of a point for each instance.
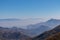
(53, 34)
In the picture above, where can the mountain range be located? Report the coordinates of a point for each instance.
(38, 31)
(12, 34)
(34, 30)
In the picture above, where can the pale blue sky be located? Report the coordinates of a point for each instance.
(29, 8)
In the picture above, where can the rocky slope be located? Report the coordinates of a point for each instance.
(48, 35)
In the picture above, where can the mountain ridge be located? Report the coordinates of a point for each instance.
(47, 34)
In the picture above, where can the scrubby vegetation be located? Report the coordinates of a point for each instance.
(54, 37)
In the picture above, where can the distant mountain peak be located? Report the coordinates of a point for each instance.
(53, 20)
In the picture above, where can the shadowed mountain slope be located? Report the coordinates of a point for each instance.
(47, 34)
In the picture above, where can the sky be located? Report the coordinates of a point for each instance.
(30, 9)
